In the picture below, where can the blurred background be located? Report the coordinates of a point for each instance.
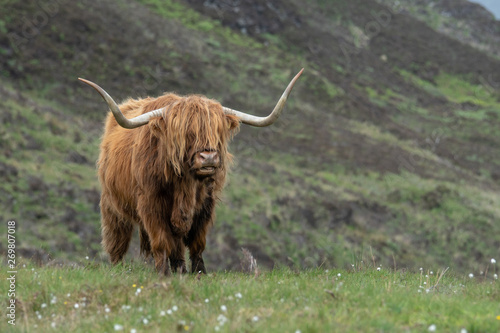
(388, 150)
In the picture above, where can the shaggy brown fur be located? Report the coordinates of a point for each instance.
(150, 177)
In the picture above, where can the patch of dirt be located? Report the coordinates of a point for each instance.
(76, 157)
(8, 172)
(250, 17)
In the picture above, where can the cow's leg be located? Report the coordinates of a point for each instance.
(152, 211)
(177, 260)
(196, 238)
(162, 244)
(196, 248)
(145, 242)
(116, 233)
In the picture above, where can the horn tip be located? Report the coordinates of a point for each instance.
(298, 75)
(84, 81)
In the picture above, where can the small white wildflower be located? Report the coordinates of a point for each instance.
(495, 276)
(493, 261)
(175, 308)
(298, 331)
(207, 300)
(138, 291)
(145, 321)
(169, 311)
(326, 270)
(221, 319)
(53, 324)
(39, 316)
(378, 268)
(77, 305)
(53, 300)
(107, 310)
(44, 305)
(238, 295)
(420, 290)
(68, 295)
(426, 275)
(432, 272)
(223, 308)
(133, 330)
(162, 313)
(216, 328)
(432, 328)
(140, 309)
(118, 327)
(87, 257)
(425, 282)
(471, 275)
(339, 275)
(255, 319)
(463, 330)
(421, 269)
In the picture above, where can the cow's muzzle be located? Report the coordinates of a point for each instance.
(206, 162)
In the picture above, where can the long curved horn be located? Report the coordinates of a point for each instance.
(266, 121)
(138, 121)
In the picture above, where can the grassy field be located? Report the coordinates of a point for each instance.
(92, 297)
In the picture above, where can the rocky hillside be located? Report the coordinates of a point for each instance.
(388, 150)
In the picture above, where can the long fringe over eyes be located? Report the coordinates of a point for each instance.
(190, 124)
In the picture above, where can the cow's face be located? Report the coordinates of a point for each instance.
(194, 133)
(208, 140)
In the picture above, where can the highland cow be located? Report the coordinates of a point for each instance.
(162, 166)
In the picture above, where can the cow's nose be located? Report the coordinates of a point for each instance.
(209, 157)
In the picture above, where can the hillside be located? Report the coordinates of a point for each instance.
(388, 149)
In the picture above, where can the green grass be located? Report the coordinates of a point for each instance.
(96, 297)
(459, 90)
(287, 199)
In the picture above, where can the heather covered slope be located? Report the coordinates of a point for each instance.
(388, 147)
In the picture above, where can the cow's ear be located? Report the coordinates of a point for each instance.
(233, 122)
